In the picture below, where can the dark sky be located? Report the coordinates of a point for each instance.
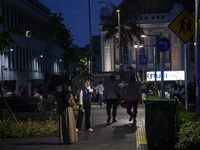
(75, 14)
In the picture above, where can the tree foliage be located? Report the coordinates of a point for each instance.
(6, 35)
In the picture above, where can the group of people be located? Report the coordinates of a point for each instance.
(67, 124)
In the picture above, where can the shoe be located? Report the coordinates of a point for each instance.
(108, 120)
(90, 130)
(134, 120)
(76, 129)
(130, 119)
(114, 120)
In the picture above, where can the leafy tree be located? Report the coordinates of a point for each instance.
(61, 37)
(6, 36)
(5, 40)
(82, 67)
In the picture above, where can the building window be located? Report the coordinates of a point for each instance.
(163, 17)
(146, 18)
(17, 58)
(158, 17)
(13, 57)
(152, 17)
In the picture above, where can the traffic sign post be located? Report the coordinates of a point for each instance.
(163, 45)
(143, 59)
(197, 54)
(184, 27)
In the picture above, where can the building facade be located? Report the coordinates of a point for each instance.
(154, 23)
(26, 62)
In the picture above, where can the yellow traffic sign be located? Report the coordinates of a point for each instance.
(183, 26)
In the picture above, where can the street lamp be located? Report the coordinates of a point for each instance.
(136, 47)
(90, 35)
(154, 49)
(28, 35)
(119, 39)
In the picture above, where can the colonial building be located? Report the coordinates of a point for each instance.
(26, 61)
(154, 18)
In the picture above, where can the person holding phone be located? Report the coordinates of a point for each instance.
(84, 107)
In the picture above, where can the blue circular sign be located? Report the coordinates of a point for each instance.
(163, 44)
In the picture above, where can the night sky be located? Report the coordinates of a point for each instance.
(76, 16)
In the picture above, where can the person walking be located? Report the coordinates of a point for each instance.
(111, 90)
(84, 107)
(67, 124)
(131, 98)
(144, 91)
(100, 90)
(175, 92)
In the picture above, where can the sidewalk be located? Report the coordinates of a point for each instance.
(121, 135)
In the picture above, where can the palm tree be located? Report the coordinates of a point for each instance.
(129, 29)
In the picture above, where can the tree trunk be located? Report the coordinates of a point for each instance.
(47, 83)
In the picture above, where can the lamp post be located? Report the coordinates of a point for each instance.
(155, 54)
(136, 47)
(28, 35)
(197, 54)
(90, 36)
(119, 40)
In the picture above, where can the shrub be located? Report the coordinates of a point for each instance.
(10, 129)
(189, 136)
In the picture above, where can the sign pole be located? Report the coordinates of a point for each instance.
(162, 74)
(197, 55)
(143, 73)
(185, 57)
(156, 88)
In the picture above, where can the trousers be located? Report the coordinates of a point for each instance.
(87, 108)
(111, 103)
(132, 104)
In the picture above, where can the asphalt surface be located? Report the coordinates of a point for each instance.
(120, 135)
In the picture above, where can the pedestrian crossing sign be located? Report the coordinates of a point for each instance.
(183, 26)
(143, 59)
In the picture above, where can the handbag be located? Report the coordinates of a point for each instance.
(71, 101)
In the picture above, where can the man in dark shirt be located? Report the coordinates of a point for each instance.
(131, 98)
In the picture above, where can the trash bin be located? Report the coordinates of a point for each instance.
(160, 120)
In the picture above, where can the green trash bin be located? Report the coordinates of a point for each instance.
(160, 120)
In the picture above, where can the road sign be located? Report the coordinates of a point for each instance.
(163, 44)
(143, 59)
(183, 26)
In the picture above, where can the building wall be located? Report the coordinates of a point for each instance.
(26, 52)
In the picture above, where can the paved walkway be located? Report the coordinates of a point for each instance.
(121, 135)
